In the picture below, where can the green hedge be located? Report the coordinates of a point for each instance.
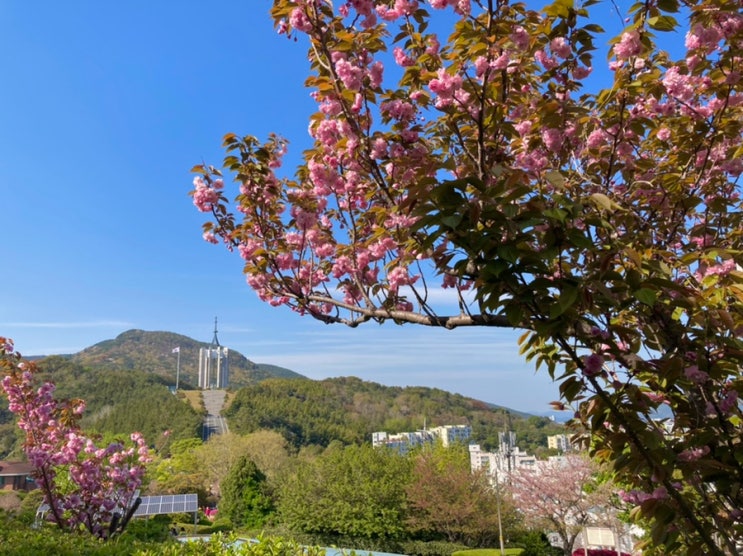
(490, 552)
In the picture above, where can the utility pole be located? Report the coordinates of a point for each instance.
(177, 351)
(497, 509)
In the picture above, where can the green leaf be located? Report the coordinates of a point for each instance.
(603, 201)
(560, 8)
(663, 23)
(556, 179)
(570, 388)
(452, 221)
(567, 298)
(668, 5)
(514, 313)
(646, 296)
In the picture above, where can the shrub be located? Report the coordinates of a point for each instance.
(431, 548)
(597, 552)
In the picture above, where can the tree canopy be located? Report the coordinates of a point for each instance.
(244, 498)
(602, 219)
(352, 491)
(563, 496)
(349, 410)
(447, 499)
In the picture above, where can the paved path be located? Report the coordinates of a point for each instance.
(214, 423)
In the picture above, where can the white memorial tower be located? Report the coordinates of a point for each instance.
(214, 369)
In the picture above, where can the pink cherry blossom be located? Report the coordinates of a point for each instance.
(520, 37)
(628, 46)
(445, 86)
(581, 72)
(547, 62)
(560, 47)
(401, 57)
(552, 138)
(299, 20)
(664, 134)
(97, 480)
(693, 454)
(592, 364)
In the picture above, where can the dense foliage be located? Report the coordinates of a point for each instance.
(145, 538)
(604, 219)
(352, 491)
(448, 501)
(245, 499)
(364, 495)
(123, 401)
(349, 410)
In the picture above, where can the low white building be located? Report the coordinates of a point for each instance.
(403, 442)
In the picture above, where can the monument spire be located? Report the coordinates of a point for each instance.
(215, 340)
(214, 364)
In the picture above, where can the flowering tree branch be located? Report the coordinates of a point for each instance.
(606, 223)
(84, 486)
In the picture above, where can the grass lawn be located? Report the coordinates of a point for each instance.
(194, 398)
(489, 552)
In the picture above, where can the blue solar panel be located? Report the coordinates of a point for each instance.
(167, 504)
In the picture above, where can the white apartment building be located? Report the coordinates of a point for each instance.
(452, 434)
(405, 441)
(559, 442)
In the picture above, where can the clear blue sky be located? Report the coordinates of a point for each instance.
(105, 108)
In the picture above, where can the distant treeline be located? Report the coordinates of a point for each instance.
(304, 412)
(348, 409)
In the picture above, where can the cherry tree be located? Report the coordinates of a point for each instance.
(85, 486)
(561, 496)
(465, 145)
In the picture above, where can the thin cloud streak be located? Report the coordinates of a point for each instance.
(481, 364)
(70, 325)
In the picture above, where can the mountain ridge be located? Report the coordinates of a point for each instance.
(152, 351)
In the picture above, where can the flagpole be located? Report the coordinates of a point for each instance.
(178, 369)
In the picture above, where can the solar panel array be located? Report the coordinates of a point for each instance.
(167, 504)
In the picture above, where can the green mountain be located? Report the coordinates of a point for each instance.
(125, 384)
(349, 410)
(152, 352)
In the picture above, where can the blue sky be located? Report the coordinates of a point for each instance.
(105, 108)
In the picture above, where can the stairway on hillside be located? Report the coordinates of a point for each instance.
(214, 423)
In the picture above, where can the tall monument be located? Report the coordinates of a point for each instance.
(214, 368)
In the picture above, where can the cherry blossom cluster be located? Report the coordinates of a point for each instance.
(83, 484)
(367, 141)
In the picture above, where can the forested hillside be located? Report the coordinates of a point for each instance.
(153, 352)
(125, 383)
(349, 410)
(117, 403)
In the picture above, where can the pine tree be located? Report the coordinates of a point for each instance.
(245, 500)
